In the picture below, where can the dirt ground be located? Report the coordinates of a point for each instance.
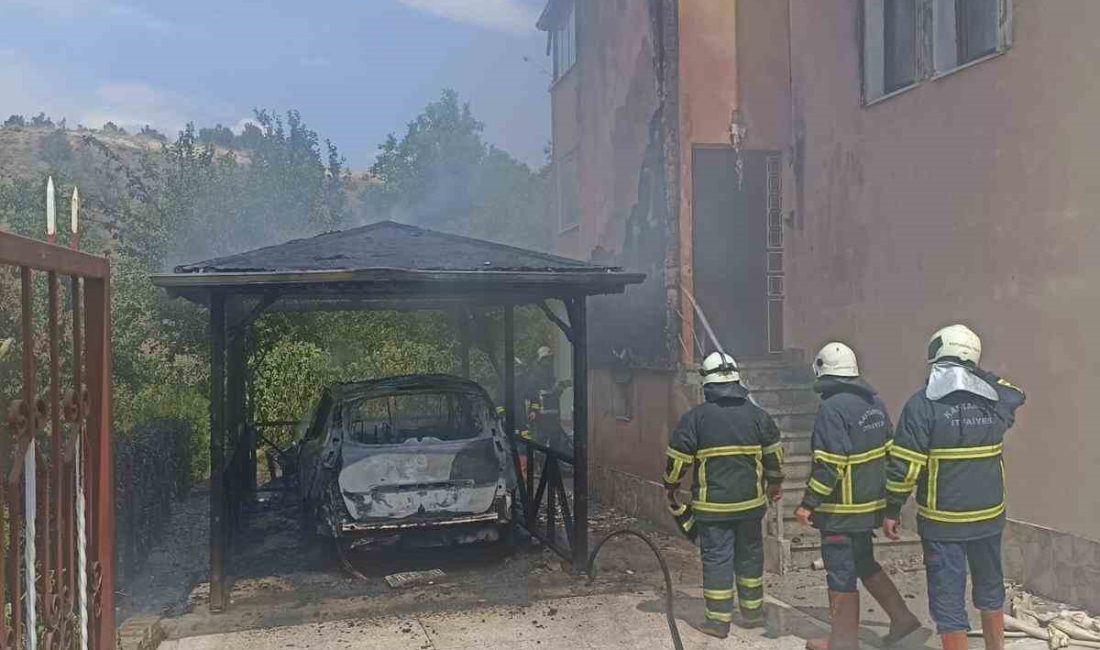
(281, 581)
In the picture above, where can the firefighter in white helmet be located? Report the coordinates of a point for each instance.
(948, 448)
(735, 449)
(845, 497)
(543, 400)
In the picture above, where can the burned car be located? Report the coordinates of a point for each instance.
(421, 459)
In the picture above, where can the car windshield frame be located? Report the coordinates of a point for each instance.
(392, 423)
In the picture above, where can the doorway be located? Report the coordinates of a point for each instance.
(738, 247)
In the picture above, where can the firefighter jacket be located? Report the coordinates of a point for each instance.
(948, 446)
(847, 486)
(734, 447)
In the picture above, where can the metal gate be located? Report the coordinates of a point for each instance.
(57, 484)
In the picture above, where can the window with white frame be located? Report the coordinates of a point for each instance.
(965, 31)
(568, 195)
(908, 41)
(563, 41)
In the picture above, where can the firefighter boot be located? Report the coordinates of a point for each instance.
(993, 629)
(844, 630)
(752, 618)
(902, 621)
(715, 629)
(954, 640)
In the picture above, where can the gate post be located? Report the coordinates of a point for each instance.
(97, 296)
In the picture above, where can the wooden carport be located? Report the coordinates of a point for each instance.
(387, 265)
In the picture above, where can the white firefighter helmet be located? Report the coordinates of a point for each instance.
(836, 360)
(719, 368)
(956, 342)
(544, 351)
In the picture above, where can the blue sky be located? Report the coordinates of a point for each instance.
(356, 69)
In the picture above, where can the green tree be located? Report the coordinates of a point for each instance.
(441, 174)
(218, 135)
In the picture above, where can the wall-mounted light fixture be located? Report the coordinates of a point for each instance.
(739, 135)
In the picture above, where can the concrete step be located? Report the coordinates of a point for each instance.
(800, 546)
(776, 375)
(796, 443)
(785, 396)
(793, 419)
(789, 357)
(805, 551)
(796, 469)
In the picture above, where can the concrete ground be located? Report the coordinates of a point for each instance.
(288, 593)
(608, 621)
(601, 622)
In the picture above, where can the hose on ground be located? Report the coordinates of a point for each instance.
(669, 614)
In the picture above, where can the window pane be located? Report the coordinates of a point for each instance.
(568, 195)
(899, 43)
(564, 44)
(872, 49)
(945, 44)
(396, 419)
(981, 18)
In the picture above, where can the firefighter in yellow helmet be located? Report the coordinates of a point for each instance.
(735, 450)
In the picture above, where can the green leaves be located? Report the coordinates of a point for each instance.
(441, 174)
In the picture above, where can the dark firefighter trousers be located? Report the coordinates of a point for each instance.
(945, 564)
(848, 557)
(733, 549)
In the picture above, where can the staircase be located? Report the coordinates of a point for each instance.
(783, 386)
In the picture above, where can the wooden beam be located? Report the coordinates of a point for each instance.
(41, 256)
(464, 342)
(219, 594)
(562, 325)
(578, 321)
(510, 408)
(234, 410)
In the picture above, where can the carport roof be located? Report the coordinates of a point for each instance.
(388, 262)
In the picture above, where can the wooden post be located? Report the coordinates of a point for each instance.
(578, 323)
(236, 481)
(218, 593)
(464, 341)
(510, 410)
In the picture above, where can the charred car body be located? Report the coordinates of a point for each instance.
(422, 459)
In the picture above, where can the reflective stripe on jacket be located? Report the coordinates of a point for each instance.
(949, 450)
(735, 448)
(851, 435)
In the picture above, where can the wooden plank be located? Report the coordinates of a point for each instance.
(17, 250)
(578, 322)
(218, 592)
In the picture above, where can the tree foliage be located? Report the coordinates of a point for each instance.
(441, 174)
(204, 195)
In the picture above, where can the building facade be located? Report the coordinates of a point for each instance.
(861, 170)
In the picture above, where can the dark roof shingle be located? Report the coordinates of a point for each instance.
(388, 245)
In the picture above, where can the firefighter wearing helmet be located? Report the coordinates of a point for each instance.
(845, 497)
(735, 450)
(948, 448)
(543, 402)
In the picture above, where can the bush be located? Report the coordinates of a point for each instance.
(153, 468)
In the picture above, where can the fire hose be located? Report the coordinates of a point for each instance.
(669, 614)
